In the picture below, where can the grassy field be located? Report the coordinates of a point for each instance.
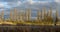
(30, 23)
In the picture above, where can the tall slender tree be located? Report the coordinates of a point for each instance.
(44, 9)
(38, 15)
(28, 14)
(56, 19)
(15, 14)
(11, 15)
(2, 14)
(50, 12)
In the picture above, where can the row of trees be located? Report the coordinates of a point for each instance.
(42, 15)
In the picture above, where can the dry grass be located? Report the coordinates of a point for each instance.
(30, 22)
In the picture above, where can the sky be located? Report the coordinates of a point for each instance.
(15, 3)
(6, 5)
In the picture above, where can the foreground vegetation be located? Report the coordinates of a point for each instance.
(35, 28)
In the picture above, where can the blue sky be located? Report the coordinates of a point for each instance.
(15, 3)
(6, 5)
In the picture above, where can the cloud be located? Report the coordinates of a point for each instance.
(1, 5)
(9, 3)
(31, 1)
(15, 3)
(8, 0)
(58, 1)
(37, 1)
(19, 3)
(43, 2)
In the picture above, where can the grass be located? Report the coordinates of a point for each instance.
(29, 22)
